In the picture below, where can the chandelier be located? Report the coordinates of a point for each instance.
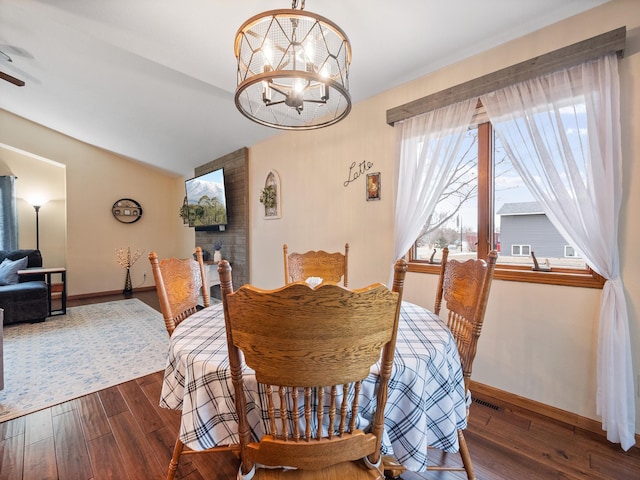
(293, 70)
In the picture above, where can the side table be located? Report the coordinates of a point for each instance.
(48, 272)
(211, 272)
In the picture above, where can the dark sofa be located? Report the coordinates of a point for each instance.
(27, 300)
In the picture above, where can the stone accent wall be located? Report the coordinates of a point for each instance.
(235, 239)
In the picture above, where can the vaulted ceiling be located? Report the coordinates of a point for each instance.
(154, 80)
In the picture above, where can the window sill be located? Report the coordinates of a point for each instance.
(559, 276)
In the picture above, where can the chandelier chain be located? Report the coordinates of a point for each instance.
(294, 5)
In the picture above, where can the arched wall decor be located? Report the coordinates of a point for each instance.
(270, 196)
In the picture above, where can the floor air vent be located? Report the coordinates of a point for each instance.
(484, 403)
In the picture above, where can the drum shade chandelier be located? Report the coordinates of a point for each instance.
(293, 70)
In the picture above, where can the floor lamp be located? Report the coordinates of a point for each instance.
(37, 207)
(37, 202)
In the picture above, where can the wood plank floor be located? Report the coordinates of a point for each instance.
(122, 433)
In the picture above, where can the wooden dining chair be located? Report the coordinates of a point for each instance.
(179, 284)
(464, 287)
(331, 267)
(308, 347)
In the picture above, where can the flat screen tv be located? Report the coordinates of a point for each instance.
(207, 201)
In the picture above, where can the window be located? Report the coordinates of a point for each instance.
(520, 250)
(570, 252)
(487, 206)
(579, 183)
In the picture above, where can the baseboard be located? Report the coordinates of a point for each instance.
(518, 403)
(112, 292)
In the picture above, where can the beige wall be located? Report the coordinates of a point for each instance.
(539, 341)
(95, 179)
(317, 210)
(38, 178)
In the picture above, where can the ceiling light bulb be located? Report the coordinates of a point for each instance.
(267, 53)
(299, 85)
(310, 50)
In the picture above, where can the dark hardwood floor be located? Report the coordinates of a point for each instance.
(122, 433)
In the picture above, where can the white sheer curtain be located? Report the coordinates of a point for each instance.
(562, 132)
(428, 148)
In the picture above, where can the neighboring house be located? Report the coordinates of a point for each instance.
(524, 228)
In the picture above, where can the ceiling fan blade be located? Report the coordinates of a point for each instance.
(13, 50)
(10, 79)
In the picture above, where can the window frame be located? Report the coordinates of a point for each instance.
(515, 273)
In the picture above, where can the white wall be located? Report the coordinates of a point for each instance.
(539, 341)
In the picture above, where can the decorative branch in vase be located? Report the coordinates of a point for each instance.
(126, 259)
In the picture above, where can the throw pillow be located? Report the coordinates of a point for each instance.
(9, 270)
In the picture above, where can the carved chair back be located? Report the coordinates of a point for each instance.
(464, 287)
(331, 267)
(308, 347)
(179, 283)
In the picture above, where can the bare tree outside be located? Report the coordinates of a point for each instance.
(454, 222)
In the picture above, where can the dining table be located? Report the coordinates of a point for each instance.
(426, 403)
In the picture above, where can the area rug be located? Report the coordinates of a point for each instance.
(90, 348)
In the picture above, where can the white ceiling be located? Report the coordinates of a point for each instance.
(154, 80)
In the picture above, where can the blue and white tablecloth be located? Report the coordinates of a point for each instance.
(426, 403)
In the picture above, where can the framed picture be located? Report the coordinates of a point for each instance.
(373, 186)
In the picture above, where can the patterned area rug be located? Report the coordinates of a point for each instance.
(90, 348)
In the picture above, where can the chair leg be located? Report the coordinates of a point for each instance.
(391, 467)
(173, 465)
(466, 456)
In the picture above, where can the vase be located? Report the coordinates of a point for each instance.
(217, 256)
(128, 289)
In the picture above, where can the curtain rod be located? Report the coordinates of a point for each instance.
(580, 52)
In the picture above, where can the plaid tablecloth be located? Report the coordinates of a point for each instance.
(426, 403)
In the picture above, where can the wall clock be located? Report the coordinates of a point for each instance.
(126, 210)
